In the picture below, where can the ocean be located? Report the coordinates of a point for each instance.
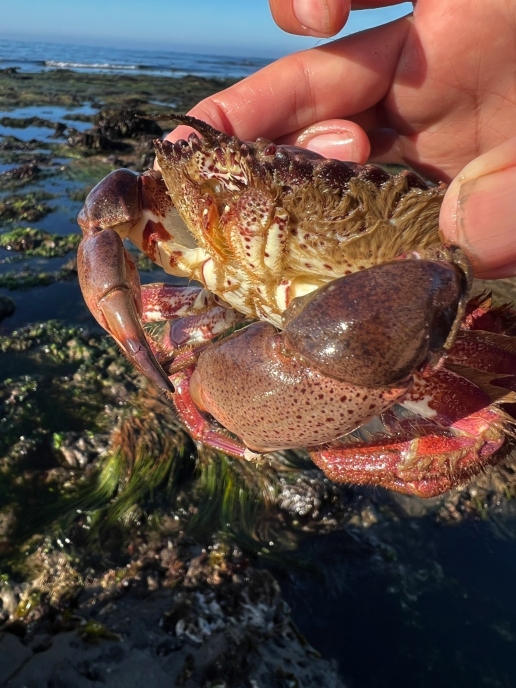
(36, 56)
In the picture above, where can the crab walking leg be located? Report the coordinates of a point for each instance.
(425, 466)
(195, 314)
(492, 353)
(111, 287)
(199, 428)
(162, 301)
(467, 434)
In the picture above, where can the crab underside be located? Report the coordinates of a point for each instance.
(330, 316)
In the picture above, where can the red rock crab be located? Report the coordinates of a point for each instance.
(368, 350)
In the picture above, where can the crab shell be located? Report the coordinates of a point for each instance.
(273, 223)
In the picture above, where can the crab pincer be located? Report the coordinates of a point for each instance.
(347, 352)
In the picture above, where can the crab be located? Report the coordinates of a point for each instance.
(329, 316)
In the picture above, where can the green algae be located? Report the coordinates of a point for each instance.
(54, 380)
(28, 278)
(36, 242)
(29, 207)
(93, 631)
(65, 388)
(88, 170)
(61, 383)
(27, 604)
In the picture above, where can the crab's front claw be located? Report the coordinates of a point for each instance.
(347, 353)
(378, 326)
(111, 287)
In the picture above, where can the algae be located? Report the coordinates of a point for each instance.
(69, 89)
(36, 242)
(29, 207)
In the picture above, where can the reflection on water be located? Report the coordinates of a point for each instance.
(50, 113)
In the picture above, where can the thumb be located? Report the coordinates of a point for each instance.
(479, 212)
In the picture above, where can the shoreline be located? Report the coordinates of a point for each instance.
(69, 89)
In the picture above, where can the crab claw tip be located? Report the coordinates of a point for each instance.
(122, 323)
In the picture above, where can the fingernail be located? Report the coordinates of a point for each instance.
(338, 146)
(486, 219)
(311, 14)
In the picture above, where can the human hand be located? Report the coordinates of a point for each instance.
(436, 91)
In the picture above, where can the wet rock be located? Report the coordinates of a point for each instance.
(126, 123)
(24, 208)
(23, 123)
(237, 636)
(59, 130)
(80, 450)
(36, 242)
(10, 143)
(13, 655)
(110, 126)
(95, 140)
(26, 171)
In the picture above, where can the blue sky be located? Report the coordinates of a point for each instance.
(230, 27)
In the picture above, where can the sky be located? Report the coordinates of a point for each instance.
(229, 27)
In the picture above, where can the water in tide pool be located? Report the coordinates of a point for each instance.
(35, 56)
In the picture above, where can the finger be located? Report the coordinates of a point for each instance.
(390, 147)
(479, 213)
(310, 17)
(318, 17)
(332, 81)
(334, 138)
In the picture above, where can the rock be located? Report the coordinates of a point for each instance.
(28, 170)
(13, 655)
(126, 123)
(96, 140)
(242, 651)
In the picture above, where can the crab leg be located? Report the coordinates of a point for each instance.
(161, 301)
(198, 427)
(492, 353)
(107, 274)
(467, 433)
(195, 314)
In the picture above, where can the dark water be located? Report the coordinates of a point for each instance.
(442, 613)
(35, 56)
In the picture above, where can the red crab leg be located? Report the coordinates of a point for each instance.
(490, 353)
(196, 315)
(468, 433)
(199, 428)
(486, 351)
(161, 301)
